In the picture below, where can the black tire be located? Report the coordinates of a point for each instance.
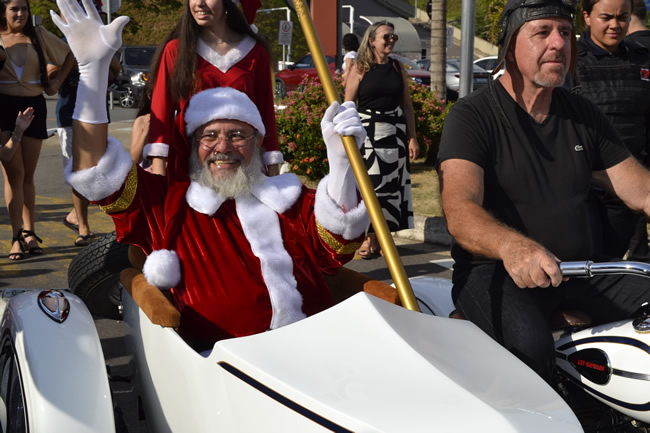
(94, 275)
(280, 89)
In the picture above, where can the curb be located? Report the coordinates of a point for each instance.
(431, 230)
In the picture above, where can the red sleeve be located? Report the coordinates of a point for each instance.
(137, 209)
(162, 107)
(331, 251)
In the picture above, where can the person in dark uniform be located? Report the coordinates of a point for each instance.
(638, 33)
(615, 75)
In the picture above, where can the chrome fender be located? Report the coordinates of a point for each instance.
(59, 360)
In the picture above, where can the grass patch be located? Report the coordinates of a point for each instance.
(425, 189)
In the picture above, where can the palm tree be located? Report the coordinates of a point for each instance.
(438, 46)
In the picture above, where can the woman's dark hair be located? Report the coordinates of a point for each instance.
(588, 5)
(183, 82)
(30, 32)
(350, 42)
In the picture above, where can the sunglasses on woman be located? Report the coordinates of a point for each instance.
(391, 37)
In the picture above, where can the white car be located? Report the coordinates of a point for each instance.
(489, 63)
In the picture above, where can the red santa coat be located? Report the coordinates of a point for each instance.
(248, 265)
(245, 68)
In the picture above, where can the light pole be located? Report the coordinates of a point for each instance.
(286, 58)
(351, 17)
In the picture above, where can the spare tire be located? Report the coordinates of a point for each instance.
(94, 275)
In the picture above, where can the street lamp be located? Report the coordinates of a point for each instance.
(351, 17)
(285, 59)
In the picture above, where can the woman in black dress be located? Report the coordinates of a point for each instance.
(380, 86)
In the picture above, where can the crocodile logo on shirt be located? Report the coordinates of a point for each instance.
(579, 148)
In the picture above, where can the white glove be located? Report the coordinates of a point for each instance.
(93, 45)
(341, 120)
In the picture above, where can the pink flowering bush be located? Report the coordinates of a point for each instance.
(429, 112)
(301, 141)
(299, 132)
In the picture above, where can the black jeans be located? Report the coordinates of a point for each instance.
(519, 318)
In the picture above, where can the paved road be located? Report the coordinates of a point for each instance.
(50, 270)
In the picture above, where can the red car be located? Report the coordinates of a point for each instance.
(289, 79)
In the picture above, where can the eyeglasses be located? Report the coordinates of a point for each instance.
(234, 139)
(391, 37)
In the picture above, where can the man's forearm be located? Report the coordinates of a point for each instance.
(480, 233)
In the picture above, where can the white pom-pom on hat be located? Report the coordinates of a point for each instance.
(162, 269)
(221, 103)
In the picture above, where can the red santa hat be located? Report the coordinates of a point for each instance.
(162, 267)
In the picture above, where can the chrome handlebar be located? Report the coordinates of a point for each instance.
(589, 268)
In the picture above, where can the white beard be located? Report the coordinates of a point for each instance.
(233, 186)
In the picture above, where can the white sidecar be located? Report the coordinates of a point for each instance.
(363, 365)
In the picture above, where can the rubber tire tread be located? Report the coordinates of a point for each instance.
(94, 275)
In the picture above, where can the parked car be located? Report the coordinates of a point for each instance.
(489, 63)
(414, 71)
(288, 80)
(452, 77)
(135, 61)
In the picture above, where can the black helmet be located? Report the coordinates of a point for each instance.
(518, 12)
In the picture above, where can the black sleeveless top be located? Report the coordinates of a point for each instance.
(381, 87)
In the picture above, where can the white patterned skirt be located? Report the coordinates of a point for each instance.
(385, 153)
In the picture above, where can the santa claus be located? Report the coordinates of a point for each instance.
(241, 252)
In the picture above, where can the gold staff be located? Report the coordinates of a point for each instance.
(393, 260)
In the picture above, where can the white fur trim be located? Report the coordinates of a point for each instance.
(162, 269)
(203, 199)
(221, 103)
(279, 192)
(234, 55)
(273, 157)
(104, 179)
(261, 226)
(155, 149)
(349, 224)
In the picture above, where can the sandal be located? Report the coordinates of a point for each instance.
(34, 251)
(20, 254)
(366, 252)
(68, 224)
(83, 240)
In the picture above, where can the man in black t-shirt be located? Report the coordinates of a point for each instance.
(516, 161)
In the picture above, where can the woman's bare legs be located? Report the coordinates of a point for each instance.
(14, 174)
(31, 151)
